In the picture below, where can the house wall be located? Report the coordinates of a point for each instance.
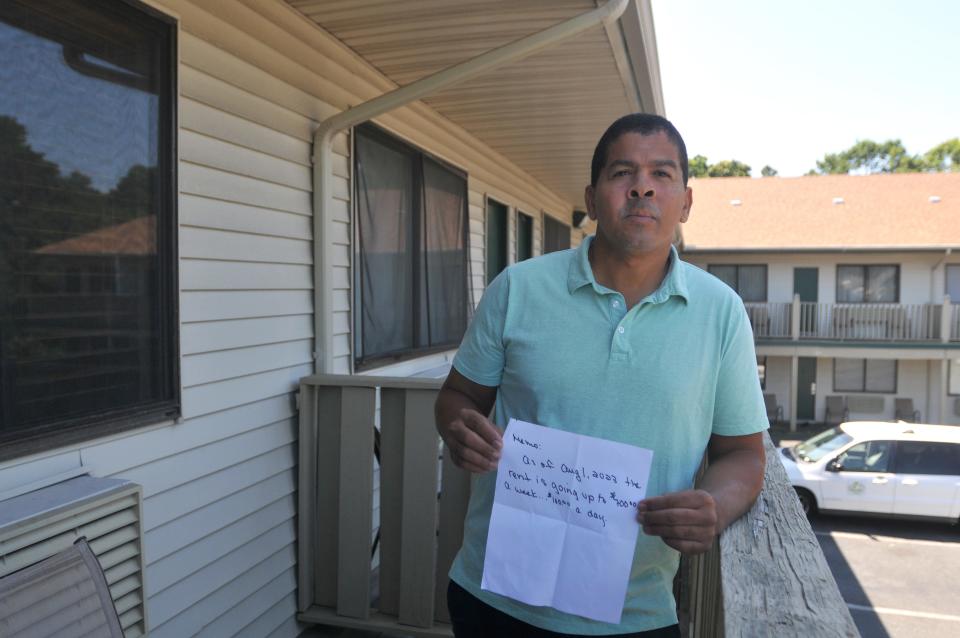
(917, 379)
(219, 484)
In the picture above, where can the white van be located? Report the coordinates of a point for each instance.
(887, 469)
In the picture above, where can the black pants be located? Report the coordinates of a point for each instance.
(473, 618)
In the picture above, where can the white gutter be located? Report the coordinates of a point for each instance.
(323, 136)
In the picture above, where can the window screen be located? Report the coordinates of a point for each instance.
(868, 284)
(411, 271)
(87, 279)
(749, 281)
(556, 236)
(524, 236)
(865, 375)
(496, 238)
(953, 282)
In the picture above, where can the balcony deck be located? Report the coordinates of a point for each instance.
(855, 323)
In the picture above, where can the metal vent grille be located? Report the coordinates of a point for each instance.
(107, 512)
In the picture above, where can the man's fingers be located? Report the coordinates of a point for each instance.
(482, 426)
(687, 499)
(467, 439)
(688, 547)
(678, 517)
(471, 460)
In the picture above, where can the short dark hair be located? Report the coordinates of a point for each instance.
(644, 124)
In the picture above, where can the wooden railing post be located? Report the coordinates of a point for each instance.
(795, 318)
(946, 319)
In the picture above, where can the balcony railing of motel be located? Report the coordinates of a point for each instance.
(798, 320)
(766, 576)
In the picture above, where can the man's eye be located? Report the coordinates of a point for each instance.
(661, 173)
(621, 172)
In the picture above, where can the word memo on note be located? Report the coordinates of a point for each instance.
(563, 527)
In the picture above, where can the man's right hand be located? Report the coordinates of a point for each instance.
(473, 441)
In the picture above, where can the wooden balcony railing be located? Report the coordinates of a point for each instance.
(766, 577)
(899, 323)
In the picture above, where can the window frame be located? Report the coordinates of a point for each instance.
(950, 366)
(380, 135)
(487, 200)
(863, 390)
(864, 268)
(946, 280)
(543, 230)
(516, 247)
(75, 430)
(736, 289)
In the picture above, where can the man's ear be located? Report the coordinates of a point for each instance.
(688, 204)
(588, 202)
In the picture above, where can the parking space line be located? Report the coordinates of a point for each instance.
(904, 612)
(890, 539)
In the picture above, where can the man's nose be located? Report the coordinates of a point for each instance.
(640, 190)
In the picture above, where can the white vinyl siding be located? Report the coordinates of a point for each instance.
(255, 78)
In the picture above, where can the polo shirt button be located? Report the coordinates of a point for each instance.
(620, 330)
(616, 304)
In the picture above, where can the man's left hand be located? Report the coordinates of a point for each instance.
(686, 521)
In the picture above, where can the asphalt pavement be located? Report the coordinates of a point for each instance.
(900, 579)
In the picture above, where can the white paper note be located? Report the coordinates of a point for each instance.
(563, 527)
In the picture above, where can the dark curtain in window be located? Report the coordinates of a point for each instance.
(411, 266)
(384, 218)
(444, 302)
(85, 193)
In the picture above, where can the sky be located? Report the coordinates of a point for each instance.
(785, 82)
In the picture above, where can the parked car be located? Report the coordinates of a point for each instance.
(885, 469)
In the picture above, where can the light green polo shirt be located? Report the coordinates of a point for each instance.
(665, 375)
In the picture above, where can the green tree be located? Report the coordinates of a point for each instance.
(768, 171)
(729, 168)
(944, 156)
(868, 156)
(699, 166)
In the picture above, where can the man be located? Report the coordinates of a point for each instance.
(617, 339)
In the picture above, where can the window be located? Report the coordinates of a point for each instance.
(410, 292)
(556, 235)
(87, 221)
(954, 377)
(924, 457)
(762, 371)
(868, 284)
(496, 238)
(749, 281)
(870, 456)
(952, 277)
(524, 236)
(865, 375)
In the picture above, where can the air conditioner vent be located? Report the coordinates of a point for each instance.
(107, 512)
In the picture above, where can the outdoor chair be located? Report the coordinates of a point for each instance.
(903, 411)
(836, 410)
(774, 410)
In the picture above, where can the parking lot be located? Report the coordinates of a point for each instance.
(899, 578)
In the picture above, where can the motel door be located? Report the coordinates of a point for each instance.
(805, 285)
(806, 388)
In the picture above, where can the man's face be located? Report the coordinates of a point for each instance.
(639, 198)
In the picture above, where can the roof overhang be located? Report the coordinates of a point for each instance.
(544, 112)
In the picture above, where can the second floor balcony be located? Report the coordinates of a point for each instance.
(855, 322)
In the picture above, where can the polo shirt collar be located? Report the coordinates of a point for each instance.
(581, 274)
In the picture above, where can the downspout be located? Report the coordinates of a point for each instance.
(323, 136)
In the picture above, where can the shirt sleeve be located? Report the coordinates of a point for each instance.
(739, 407)
(481, 355)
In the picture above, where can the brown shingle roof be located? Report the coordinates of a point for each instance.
(798, 213)
(135, 237)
